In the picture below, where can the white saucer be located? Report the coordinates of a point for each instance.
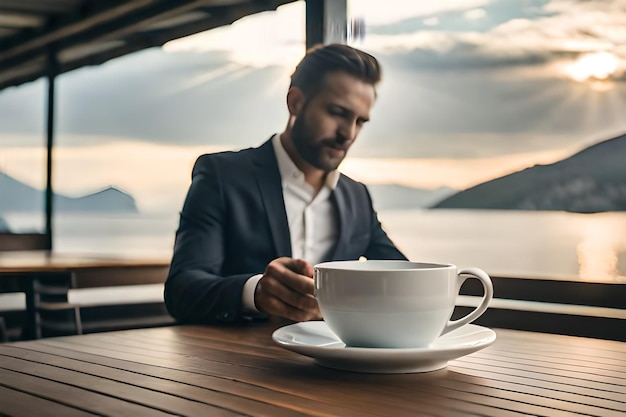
(316, 340)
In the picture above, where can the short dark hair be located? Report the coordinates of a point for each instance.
(321, 60)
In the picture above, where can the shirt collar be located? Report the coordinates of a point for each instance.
(288, 168)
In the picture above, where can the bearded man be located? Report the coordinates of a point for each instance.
(255, 221)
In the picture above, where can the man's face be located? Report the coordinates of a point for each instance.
(331, 119)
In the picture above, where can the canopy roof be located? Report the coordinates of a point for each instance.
(43, 37)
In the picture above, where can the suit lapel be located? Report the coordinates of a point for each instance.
(270, 187)
(340, 199)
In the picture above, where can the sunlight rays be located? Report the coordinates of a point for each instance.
(227, 70)
(256, 41)
(595, 66)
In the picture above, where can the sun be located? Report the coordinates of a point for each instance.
(597, 66)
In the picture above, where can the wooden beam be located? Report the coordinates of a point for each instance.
(137, 40)
(127, 22)
(99, 13)
(136, 21)
(36, 41)
(39, 6)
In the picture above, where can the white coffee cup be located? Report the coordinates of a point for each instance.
(393, 304)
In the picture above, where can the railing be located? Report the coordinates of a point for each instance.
(589, 309)
(101, 299)
(12, 300)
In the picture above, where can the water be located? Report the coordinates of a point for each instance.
(516, 243)
(104, 232)
(509, 243)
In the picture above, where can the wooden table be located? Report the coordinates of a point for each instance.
(36, 261)
(19, 270)
(226, 371)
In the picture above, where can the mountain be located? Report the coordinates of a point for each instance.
(4, 226)
(19, 197)
(592, 180)
(108, 199)
(399, 197)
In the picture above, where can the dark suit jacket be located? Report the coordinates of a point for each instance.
(234, 223)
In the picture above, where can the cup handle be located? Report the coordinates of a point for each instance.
(482, 276)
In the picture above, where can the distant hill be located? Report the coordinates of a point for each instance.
(592, 180)
(4, 227)
(399, 197)
(20, 197)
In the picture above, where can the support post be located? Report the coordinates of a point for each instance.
(49, 201)
(326, 22)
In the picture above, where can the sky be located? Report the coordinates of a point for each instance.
(472, 89)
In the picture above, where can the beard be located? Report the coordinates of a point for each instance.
(325, 154)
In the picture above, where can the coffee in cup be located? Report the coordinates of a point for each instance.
(393, 304)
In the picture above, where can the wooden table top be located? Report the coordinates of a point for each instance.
(228, 371)
(50, 261)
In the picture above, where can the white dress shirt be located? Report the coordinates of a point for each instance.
(312, 218)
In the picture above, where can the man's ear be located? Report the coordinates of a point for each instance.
(295, 101)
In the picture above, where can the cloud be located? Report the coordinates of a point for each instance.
(485, 113)
(504, 33)
(22, 110)
(161, 98)
(475, 14)
(182, 98)
(470, 18)
(423, 51)
(430, 21)
(123, 162)
(260, 40)
(161, 104)
(454, 94)
(395, 11)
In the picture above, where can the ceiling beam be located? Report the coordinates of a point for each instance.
(95, 16)
(125, 23)
(138, 42)
(133, 40)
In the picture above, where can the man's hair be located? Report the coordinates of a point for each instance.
(321, 60)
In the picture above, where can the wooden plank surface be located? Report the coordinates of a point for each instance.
(195, 370)
(20, 404)
(49, 261)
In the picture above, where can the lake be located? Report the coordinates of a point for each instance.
(506, 243)
(516, 243)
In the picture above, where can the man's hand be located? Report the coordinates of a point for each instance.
(286, 290)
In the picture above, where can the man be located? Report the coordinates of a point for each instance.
(255, 221)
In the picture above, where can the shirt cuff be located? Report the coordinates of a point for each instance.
(248, 293)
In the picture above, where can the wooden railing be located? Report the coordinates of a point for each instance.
(589, 309)
(106, 298)
(12, 300)
(101, 299)
(23, 241)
